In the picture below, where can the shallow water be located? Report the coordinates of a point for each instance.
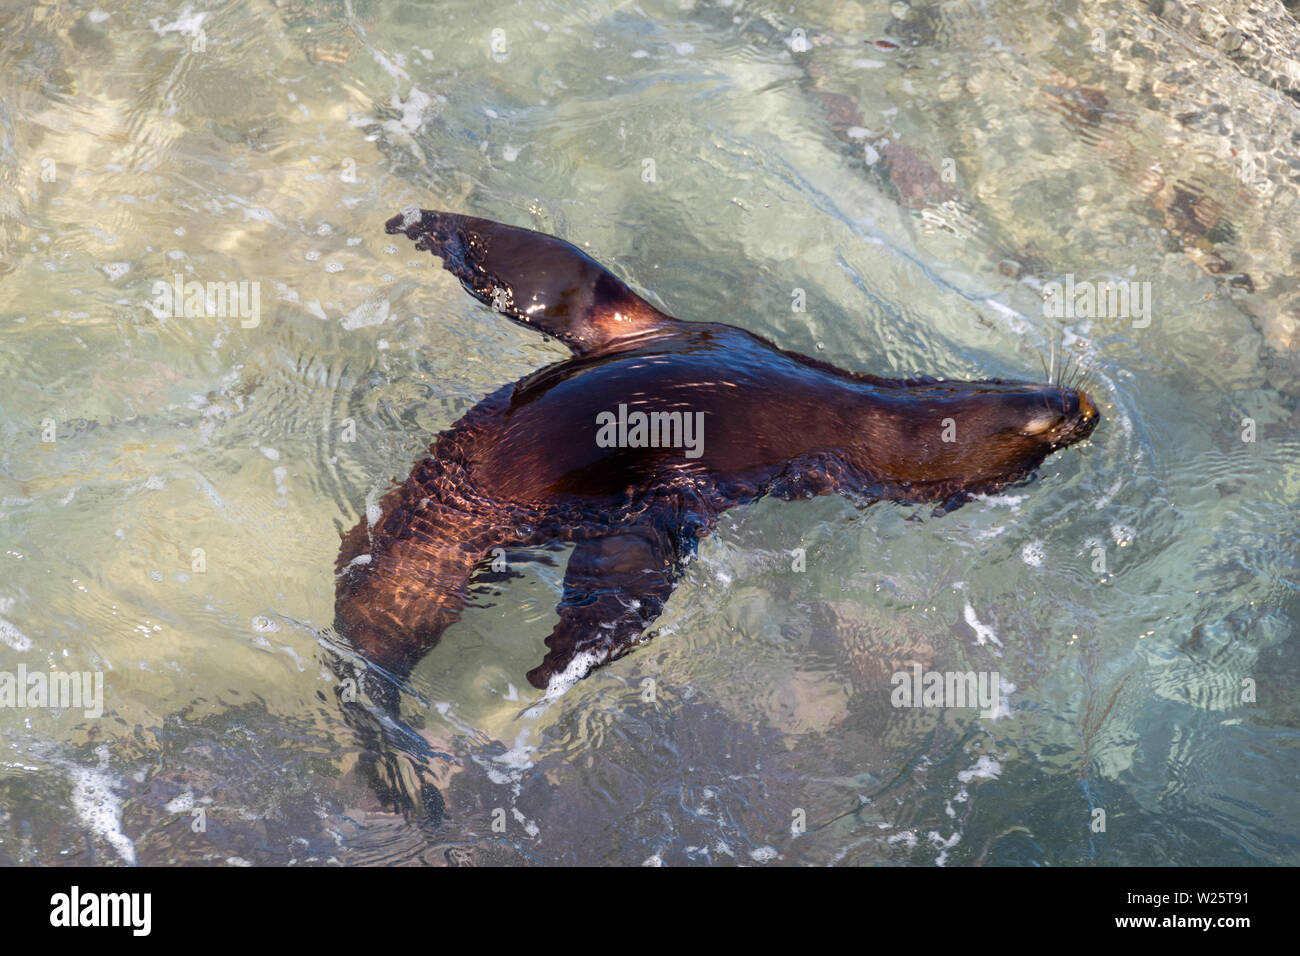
(920, 172)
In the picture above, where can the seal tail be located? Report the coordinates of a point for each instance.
(533, 278)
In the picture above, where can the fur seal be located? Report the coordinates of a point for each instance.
(632, 447)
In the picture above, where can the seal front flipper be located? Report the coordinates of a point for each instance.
(535, 279)
(614, 587)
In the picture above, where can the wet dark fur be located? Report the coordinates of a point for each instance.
(523, 468)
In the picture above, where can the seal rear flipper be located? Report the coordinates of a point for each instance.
(403, 580)
(614, 587)
(533, 278)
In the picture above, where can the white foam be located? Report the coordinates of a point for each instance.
(578, 668)
(13, 637)
(986, 768)
(1003, 706)
(416, 102)
(370, 312)
(98, 807)
(1110, 493)
(388, 66)
(516, 758)
(204, 484)
(982, 632)
(188, 23)
(1012, 319)
(529, 826)
(943, 845)
(9, 634)
(1002, 501)
(907, 838)
(373, 511)
(181, 803)
(1122, 534)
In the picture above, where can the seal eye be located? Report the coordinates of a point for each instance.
(1039, 425)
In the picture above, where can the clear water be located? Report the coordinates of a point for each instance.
(920, 192)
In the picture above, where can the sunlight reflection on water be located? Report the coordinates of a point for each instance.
(921, 172)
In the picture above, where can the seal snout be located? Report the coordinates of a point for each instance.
(413, 222)
(405, 222)
(1087, 409)
(1078, 418)
(1065, 416)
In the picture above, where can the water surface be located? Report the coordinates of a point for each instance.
(914, 175)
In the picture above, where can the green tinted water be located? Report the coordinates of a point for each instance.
(920, 173)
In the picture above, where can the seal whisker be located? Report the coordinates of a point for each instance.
(1078, 373)
(1089, 381)
(1081, 373)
